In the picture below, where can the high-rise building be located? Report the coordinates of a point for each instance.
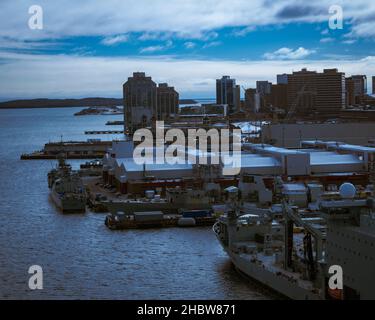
(252, 102)
(310, 91)
(349, 88)
(227, 92)
(264, 92)
(359, 87)
(330, 91)
(373, 84)
(282, 78)
(167, 101)
(302, 91)
(139, 94)
(144, 101)
(279, 96)
(263, 87)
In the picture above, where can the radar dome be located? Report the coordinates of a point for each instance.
(347, 190)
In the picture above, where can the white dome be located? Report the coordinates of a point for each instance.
(347, 190)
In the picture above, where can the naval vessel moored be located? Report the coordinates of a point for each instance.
(339, 231)
(67, 190)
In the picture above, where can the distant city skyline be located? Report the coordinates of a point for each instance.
(90, 50)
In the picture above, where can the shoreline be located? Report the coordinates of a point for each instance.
(70, 103)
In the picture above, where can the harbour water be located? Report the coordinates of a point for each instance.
(80, 257)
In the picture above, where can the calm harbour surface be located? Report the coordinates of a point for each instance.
(80, 257)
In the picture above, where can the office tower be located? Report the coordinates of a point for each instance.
(263, 87)
(373, 84)
(358, 87)
(227, 92)
(330, 91)
(139, 94)
(167, 101)
(251, 100)
(282, 78)
(279, 96)
(310, 91)
(264, 92)
(349, 89)
(144, 101)
(302, 91)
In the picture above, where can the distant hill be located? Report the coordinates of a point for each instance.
(60, 103)
(63, 103)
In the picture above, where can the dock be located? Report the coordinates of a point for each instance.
(90, 149)
(105, 132)
(115, 123)
(42, 156)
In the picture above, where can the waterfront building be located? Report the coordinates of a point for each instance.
(167, 101)
(227, 92)
(145, 102)
(139, 94)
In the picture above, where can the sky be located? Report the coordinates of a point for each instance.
(89, 48)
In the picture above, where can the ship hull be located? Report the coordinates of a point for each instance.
(270, 279)
(71, 205)
(165, 207)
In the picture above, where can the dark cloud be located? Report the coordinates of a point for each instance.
(297, 11)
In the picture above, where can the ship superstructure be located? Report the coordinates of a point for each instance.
(67, 190)
(291, 249)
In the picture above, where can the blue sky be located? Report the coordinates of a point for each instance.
(89, 48)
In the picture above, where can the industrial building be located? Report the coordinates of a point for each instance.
(326, 162)
(290, 135)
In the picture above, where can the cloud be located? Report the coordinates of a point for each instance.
(189, 45)
(31, 76)
(326, 40)
(243, 31)
(185, 19)
(111, 41)
(288, 54)
(349, 41)
(157, 48)
(212, 44)
(299, 11)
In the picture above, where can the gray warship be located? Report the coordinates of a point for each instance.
(291, 250)
(67, 190)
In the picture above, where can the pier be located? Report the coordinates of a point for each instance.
(115, 123)
(105, 132)
(90, 149)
